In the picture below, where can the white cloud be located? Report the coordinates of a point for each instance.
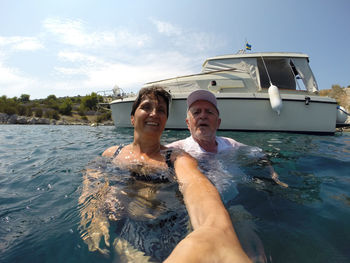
(13, 82)
(92, 60)
(130, 77)
(188, 39)
(75, 33)
(125, 38)
(200, 41)
(166, 28)
(72, 56)
(69, 31)
(21, 43)
(95, 74)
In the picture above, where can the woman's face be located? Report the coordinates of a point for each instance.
(150, 116)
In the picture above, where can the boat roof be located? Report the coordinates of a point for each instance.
(259, 55)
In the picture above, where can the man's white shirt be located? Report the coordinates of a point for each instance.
(190, 146)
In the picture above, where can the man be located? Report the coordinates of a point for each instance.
(203, 120)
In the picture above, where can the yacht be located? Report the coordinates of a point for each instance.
(272, 91)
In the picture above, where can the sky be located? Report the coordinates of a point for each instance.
(75, 47)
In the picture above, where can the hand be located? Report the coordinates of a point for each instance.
(274, 177)
(99, 227)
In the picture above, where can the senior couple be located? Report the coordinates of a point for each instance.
(213, 238)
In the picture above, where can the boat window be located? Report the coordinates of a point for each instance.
(298, 79)
(280, 71)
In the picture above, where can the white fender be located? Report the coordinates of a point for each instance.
(341, 115)
(275, 99)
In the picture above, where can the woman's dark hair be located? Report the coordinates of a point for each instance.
(153, 91)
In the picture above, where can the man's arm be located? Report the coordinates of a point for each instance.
(263, 159)
(213, 238)
(274, 176)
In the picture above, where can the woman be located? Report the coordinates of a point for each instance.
(213, 237)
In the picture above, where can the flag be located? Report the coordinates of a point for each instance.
(248, 47)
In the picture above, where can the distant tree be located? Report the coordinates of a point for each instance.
(104, 117)
(24, 98)
(3, 100)
(38, 112)
(65, 108)
(77, 99)
(10, 110)
(52, 114)
(29, 111)
(52, 102)
(90, 101)
(51, 97)
(8, 105)
(21, 110)
(81, 110)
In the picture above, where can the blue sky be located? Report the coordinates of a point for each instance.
(75, 47)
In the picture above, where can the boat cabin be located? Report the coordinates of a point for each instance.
(253, 72)
(288, 71)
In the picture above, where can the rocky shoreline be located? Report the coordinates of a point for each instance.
(16, 119)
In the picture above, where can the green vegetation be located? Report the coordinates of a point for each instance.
(86, 108)
(55, 108)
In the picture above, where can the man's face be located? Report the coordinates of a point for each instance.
(203, 120)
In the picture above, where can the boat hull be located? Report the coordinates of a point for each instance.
(251, 112)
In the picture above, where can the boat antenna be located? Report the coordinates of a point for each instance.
(268, 75)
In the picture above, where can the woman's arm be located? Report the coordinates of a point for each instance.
(213, 238)
(94, 222)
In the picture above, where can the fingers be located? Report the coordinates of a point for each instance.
(281, 183)
(106, 237)
(103, 251)
(277, 181)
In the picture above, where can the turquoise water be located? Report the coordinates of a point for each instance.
(41, 170)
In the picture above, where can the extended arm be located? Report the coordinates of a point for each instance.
(274, 175)
(94, 223)
(213, 238)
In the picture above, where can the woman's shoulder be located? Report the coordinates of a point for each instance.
(109, 152)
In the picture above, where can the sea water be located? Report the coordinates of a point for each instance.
(41, 175)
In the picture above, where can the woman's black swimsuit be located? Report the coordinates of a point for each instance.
(157, 237)
(155, 177)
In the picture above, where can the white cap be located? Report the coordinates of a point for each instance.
(201, 95)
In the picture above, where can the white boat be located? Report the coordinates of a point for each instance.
(255, 92)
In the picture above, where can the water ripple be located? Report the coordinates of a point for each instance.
(41, 172)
